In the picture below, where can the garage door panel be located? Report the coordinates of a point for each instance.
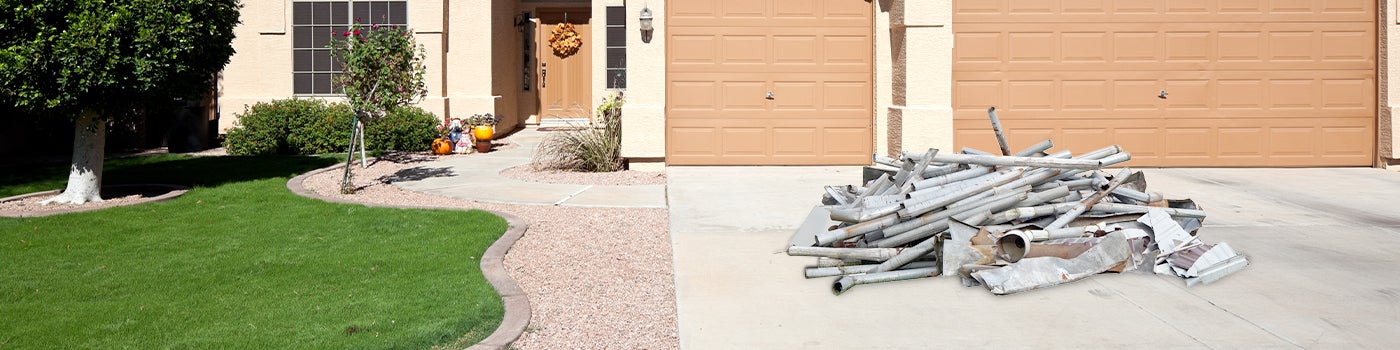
(1163, 11)
(1158, 47)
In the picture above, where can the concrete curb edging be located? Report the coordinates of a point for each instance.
(175, 191)
(516, 304)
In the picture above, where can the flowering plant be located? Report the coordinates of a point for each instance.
(381, 68)
(482, 120)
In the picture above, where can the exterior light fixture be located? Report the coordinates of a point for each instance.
(645, 19)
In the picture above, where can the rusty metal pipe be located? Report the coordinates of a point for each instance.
(996, 128)
(1089, 202)
(844, 284)
(843, 233)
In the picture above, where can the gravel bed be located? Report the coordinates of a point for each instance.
(529, 173)
(595, 277)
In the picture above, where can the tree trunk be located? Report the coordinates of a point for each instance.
(85, 174)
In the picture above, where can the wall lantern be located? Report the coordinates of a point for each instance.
(645, 19)
(520, 21)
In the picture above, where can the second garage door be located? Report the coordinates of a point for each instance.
(768, 82)
(1177, 83)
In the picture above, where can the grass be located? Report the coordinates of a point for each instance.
(239, 262)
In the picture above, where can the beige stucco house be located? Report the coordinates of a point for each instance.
(1177, 83)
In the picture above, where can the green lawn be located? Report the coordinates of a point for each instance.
(239, 262)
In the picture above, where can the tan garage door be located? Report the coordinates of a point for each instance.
(1247, 83)
(724, 57)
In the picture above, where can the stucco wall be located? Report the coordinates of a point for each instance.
(1388, 91)
(922, 74)
(644, 114)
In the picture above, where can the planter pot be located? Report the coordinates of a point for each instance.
(483, 146)
(442, 146)
(483, 132)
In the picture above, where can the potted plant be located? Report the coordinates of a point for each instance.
(483, 128)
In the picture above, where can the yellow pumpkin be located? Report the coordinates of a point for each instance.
(483, 132)
(442, 146)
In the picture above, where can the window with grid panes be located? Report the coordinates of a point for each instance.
(314, 23)
(617, 47)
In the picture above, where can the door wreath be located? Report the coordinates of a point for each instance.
(565, 40)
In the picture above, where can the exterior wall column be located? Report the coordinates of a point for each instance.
(1388, 90)
(920, 115)
(644, 113)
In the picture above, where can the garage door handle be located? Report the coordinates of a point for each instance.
(769, 95)
(1162, 94)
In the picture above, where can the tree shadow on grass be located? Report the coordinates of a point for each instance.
(183, 170)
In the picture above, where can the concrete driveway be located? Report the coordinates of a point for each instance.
(1322, 243)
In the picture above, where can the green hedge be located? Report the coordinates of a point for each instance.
(313, 126)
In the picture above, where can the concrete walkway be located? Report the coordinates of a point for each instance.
(477, 177)
(1323, 244)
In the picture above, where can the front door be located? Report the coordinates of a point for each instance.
(564, 77)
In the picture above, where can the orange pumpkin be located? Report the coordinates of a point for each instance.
(483, 132)
(442, 146)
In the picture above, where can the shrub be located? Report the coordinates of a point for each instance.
(409, 129)
(323, 130)
(593, 149)
(264, 127)
(313, 126)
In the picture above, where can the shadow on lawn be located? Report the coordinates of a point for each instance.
(176, 169)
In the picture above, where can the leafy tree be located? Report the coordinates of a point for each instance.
(96, 60)
(382, 69)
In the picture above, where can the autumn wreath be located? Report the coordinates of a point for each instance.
(565, 40)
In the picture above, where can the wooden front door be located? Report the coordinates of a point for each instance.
(564, 81)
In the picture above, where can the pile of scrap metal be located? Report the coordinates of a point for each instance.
(1010, 223)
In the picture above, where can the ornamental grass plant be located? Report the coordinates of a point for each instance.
(594, 148)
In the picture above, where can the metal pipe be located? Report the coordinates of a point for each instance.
(1019, 161)
(996, 128)
(974, 151)
(863, 214)
(1137, 195)
(1044, 196)
(1089, 202)
(1102, 152)
(935, 191)
(940, 170)
(1071, 184)
(916, 208)
(1036, 148)
(994, 194)
(871, 254)
(829, 262)
(1060, 155)
(878, 159)
(1022, 213)
(1129, 208)
(843, 233)
(950, 178)
(845, 283)
(829, 271)
(928, 224)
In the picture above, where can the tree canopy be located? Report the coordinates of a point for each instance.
(61, 57)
